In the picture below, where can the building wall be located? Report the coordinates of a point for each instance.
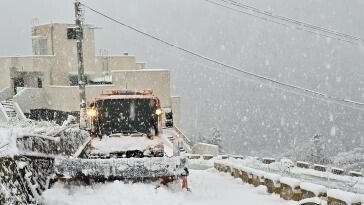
(176, 102)
(122, 62)
(40, 63)
(65, 50)
(205, 149)
(31, 98)
(158, 80)
(5, 93)
(66, 98)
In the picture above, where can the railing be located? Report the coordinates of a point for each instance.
(286, 187)
(298, 164)
(185, 138)
(19, 112)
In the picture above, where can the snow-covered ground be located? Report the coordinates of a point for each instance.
(208, 187)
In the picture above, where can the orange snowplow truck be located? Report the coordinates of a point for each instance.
(127, 142)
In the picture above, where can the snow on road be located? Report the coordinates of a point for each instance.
(208, 187)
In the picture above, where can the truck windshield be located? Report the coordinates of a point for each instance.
(126, 116)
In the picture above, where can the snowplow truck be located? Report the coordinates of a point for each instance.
(126, 142)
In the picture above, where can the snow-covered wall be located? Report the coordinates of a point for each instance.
(31, 98)
(64, 142)
(205, 149)
(176, 109)
(42, 63)
(65, 49)
(58, 95)
(23, 178)
(116, 62)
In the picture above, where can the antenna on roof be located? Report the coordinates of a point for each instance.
(35, 21)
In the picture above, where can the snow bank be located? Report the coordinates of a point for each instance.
(208, 188)
(200, 164)
(205, 149)
(315, 200)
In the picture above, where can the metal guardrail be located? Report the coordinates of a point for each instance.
(299, 164)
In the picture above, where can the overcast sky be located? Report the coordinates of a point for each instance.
(247, 113)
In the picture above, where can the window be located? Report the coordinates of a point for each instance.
(71, 33)
(40, 83)
(73, 80)
(40, 45)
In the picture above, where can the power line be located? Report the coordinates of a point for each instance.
(271, 82)
(308, 25)
(288, 22)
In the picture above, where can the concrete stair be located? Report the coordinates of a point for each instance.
(9, 108)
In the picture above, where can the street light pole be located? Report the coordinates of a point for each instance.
(81, 69)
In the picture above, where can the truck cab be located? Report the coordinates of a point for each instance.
(125, 123)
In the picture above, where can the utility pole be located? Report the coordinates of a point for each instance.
(81, 69)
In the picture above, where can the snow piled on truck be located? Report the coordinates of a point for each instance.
(122, 143)
(120, 168)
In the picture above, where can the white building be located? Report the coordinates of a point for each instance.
(44, 84)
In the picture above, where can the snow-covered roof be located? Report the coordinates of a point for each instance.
(106, 78)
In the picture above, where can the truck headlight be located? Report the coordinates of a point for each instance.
(91, 112)
(158, 111)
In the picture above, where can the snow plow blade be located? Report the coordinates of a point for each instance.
(130, 169)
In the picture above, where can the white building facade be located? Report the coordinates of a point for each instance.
(43, 86)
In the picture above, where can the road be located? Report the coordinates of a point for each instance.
(208, 187)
